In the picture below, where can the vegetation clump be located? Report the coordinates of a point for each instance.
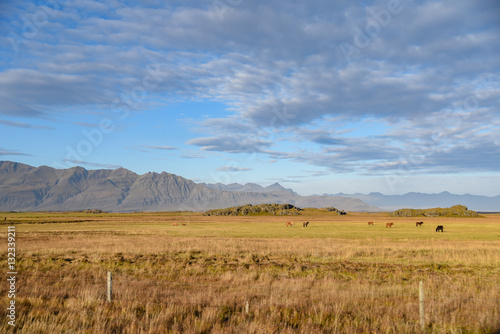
(335, 210)
(93, 211)
(261, 209)
(454, 211)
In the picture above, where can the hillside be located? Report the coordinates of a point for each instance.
(246, 210)
(454, 211)
(27, 188)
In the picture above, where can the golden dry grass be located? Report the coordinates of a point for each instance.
(339, 275)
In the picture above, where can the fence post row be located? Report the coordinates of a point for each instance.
(421, 298)
(110, 287)
(247, 306)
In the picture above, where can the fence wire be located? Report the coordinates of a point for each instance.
(268, 288)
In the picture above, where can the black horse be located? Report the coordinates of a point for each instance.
(440, 228)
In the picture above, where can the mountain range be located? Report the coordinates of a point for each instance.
(412, 200)
(416, 200)
(251, 187)
(28, 188)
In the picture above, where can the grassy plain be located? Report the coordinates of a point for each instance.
(338, 275)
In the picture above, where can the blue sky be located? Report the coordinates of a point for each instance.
(323, 97)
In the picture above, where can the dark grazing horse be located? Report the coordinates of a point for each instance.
(370, 223)
(440, 228)
(306, 224)
(418, 224)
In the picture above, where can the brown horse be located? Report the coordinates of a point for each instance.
(370, 223)
(418, 224)
(175, 224)
(389, 225)
(289, 224)
(306, 224)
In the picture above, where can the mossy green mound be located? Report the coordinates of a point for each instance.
(454, 211)
(261, 209)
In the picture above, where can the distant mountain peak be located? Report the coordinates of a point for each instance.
(445, 193)
(376, 193)
(275, 186)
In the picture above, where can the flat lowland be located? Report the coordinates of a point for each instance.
(252, 274)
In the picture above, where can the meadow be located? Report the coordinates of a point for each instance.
(251, 274)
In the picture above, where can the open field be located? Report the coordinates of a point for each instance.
(337, 275)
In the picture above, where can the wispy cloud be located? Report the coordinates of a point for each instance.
(282, 180)
(230, 144)
(233, 169)
(168, 148)
(148, 148)
(24, 125)
(11, 152)
(85, 124)
(92, 164)
(192, 156)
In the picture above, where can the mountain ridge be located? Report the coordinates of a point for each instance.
(418, 200)
(28, 188)
(252, 187)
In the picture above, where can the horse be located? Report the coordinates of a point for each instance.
(289, 224)
(305, 224)
(389, 225)
(370, 223)
(175, 224)
(417, 224)
(440, 228)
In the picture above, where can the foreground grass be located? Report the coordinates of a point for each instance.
(339, 275)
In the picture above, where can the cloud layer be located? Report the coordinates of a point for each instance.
(294, 76)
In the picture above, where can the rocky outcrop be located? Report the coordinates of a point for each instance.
(454, 211)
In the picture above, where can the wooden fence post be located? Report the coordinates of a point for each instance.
(247, 307)
(110, 287)
(421, 298)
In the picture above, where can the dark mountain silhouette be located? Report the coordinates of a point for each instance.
(27, 188)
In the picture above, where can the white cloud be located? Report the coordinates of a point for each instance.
(278, 68)
(168, 148)
(24, 125)
(10, 152)
(92, 164)
(233, 169)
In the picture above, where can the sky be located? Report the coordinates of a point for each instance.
(389, 96)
